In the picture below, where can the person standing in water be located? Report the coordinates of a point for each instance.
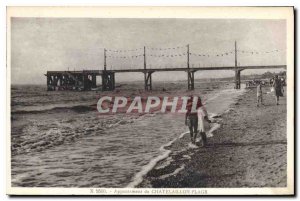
(191, 118)
(259, 94)
(277, 84)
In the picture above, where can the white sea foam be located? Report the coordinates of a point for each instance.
(187, 156)
(165, 163)
(213, 128)
(192, 146)
(138, 178)
(183, 134)
(173, 173)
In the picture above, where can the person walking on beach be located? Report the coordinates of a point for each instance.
(191, 119)
(259, 94)
(203, 118)
(278, 88)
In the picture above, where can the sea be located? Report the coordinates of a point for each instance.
(59, 139)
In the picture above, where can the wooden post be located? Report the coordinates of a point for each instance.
(237, 74)
(112, 80)
(144, 57)
(48, 79)
(192, 83)
(148, 81)
(94, 81)
(239, 79)
(145, 73)
(104, 59)
(188, 56)
(235, 54)
(108, 81)
(104, 81)
(191, 80)
(188, 67)
(85, 81)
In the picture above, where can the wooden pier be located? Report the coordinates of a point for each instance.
(86, 79)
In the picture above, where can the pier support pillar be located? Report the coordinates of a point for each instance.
(51, 82)
(148, 80)
(191, 85)
(238, 79)
(85, 82)
(48, 83)
(94, 84)
(108, 81)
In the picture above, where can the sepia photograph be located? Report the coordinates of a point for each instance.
(150, 101)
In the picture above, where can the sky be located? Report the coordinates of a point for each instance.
(41, 44)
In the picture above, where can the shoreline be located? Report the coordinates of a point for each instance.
(248, 150)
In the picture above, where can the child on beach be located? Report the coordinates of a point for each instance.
(259, 95)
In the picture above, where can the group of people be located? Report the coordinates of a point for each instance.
(196, 118)
(255, 82)
(277, 88)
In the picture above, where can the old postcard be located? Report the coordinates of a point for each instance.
(150, 100)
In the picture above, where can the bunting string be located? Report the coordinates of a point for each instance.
(212, 54)
(131, 57)
(119, 51)
(169, 48)
(252, 52)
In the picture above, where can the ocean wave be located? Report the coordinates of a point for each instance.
(56, 108)
(138, 178)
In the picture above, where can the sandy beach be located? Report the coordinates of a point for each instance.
(249, 150)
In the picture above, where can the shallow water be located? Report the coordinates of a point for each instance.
(55, 143)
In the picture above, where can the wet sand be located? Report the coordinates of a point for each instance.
(249, 150)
